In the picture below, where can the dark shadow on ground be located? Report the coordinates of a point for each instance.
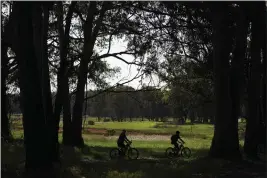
(94, 162)
(102, 153)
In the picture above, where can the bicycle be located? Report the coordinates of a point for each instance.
(131, 153)
(172, 152)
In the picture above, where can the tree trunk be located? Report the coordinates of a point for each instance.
(264, 78)
(90, 35)
(37, 141)
(40, 30)
(62, 96)
(67, 124)
(225, 141)
(237, 80)
(252, 136)
(47, 95)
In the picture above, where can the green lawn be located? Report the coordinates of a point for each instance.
(150, 138)
(204, 131)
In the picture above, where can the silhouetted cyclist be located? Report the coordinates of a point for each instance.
(175, 138)
(121, 139)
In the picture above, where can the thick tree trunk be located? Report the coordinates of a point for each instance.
(40, 24)
(237, 81)
(264, 78)
(37, 142)
(47, 89)
(252, 137)
(225, 140)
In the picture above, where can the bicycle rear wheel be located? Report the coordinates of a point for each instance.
(170, 153)
(133, 153)
(186, 152)
(114, 153)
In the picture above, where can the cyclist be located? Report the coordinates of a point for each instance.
(121, 139)
(175, 138)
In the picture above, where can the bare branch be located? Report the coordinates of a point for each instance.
(129, 63)
(116, 56)
(51, 64)
(134, 91)
(109, 41)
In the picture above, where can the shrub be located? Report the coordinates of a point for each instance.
(161, 125)
(164, 119)
(106, 120)
(91, 123)
(110, 132)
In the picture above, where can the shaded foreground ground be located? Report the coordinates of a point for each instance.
(151, 139)
(93, 162)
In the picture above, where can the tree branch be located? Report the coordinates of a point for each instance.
(129, 63)
(113, 54)
(53, 65)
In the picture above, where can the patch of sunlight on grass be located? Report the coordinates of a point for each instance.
(148, 127)
(124, 125)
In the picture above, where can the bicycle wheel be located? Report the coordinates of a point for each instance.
(186, 152)
(170, 152)
(133, 153)
(114, 153)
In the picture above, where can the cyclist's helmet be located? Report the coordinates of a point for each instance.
(177, 132)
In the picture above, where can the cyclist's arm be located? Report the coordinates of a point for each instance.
(127, 140)
(181, 140)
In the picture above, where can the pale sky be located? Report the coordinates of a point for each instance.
(127, 72)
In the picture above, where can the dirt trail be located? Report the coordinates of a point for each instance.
(130, 132)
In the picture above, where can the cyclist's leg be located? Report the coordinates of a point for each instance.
(176, 146)
(119, 146)
(123, 147)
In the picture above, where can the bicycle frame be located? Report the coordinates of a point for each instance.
(127, 146)
(181, 146)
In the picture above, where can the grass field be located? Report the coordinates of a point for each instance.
(150, 138)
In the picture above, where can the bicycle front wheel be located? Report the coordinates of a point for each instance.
(186, 152)
(114, 153)
(133, 153)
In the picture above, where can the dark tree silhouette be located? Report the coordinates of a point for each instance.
(253, 131)
(225, 141)
(62, 96)
(39, 137)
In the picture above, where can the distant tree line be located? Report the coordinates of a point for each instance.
(125, 103)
